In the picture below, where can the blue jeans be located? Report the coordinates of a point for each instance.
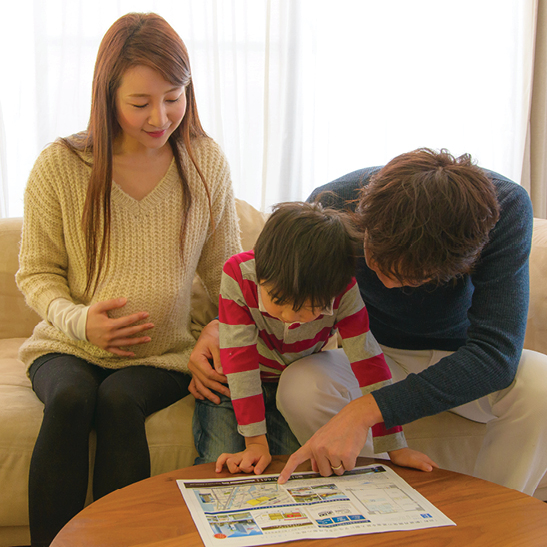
(215, 428)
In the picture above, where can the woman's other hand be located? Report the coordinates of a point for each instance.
(206, 379)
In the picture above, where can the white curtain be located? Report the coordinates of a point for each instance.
(4, 194)
(534, 175)
(297, 92)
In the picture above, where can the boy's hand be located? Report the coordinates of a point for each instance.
(254, 459)
(406, 457)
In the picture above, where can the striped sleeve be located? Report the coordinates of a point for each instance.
(366, 359)
(238, 346)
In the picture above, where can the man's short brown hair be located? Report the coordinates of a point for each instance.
(306, 254)
(427, 215)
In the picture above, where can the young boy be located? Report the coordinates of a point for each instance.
(284, 301)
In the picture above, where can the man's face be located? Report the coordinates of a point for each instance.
(390, 282)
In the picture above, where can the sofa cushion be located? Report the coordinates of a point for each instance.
(20, 420)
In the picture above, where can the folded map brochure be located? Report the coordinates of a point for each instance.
(256, 510)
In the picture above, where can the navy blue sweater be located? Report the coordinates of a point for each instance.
(482, 318)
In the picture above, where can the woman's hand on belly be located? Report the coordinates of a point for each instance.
(113, 334)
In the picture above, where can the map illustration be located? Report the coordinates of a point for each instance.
(245, 496)
(249, 511)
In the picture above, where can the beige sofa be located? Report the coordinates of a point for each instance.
(449, 439)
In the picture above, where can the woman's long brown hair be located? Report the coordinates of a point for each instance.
(134, 39)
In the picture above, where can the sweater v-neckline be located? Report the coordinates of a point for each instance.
(155, 196)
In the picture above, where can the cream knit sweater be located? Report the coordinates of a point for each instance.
(145, 263)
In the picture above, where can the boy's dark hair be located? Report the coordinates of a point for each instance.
(306, 254)
(427, 215)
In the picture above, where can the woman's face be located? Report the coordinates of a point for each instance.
(148, 109)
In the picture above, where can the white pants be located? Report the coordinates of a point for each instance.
(514, 451)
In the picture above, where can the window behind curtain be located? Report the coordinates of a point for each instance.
(297, 92)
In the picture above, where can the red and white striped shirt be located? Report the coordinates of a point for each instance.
(256, 347)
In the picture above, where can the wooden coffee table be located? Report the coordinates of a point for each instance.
(153, 513)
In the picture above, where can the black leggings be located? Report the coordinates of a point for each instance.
(79, 396)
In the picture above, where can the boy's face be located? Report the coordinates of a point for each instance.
(285, 312)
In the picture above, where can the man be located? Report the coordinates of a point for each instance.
(445, 281)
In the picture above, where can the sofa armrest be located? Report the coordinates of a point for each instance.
(17, 320)
(536, 329)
